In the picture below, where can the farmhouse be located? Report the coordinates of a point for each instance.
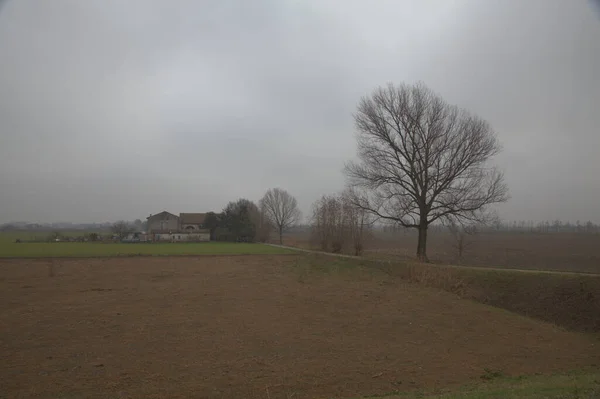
(166, 226)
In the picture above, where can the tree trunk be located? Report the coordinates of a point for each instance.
(280, 236)
(422, 244)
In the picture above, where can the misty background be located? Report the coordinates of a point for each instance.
(114, 110)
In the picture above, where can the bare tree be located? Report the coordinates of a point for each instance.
(264, 227)
(121, 229)
(337, 223)
(281, 209)
(461, 236)
(421, 159)
(327, 223)
(357, 221)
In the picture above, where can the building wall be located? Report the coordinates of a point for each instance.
(162, 237)
(191, 227)
(185, 237)
(163, 222)
(203, 236)
(137, 236)
(182, 237)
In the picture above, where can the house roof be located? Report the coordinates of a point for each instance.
(161, 213)
(192, 218)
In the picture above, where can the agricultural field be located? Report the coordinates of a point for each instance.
(574, 385)
(575, 252)
(10, 249)
(285, 326)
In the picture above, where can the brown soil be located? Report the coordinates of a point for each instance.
(569, 300)
(556, 251)
(252, 327)
(573, 252)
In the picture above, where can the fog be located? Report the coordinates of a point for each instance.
(114, 110)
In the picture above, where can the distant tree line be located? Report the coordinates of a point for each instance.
(58, 236)
(520, 226)
(245, 221)
(555, 226)
(22, 226)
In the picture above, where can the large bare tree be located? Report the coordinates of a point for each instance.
(422, 160)
(281, 209)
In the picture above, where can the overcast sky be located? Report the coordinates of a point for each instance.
(114, 109)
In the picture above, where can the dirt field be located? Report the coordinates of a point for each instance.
(252, 327)
(552, 251)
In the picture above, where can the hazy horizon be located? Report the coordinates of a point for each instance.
(112, 110)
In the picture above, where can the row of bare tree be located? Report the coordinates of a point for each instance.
(338, 225)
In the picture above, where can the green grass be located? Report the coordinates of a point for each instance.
(577, 385)
(65, 249)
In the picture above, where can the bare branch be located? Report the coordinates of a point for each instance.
(338, 224)
(422, 160)
(121, 229)
(281, 209)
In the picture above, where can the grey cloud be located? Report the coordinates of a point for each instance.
(112, 109)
